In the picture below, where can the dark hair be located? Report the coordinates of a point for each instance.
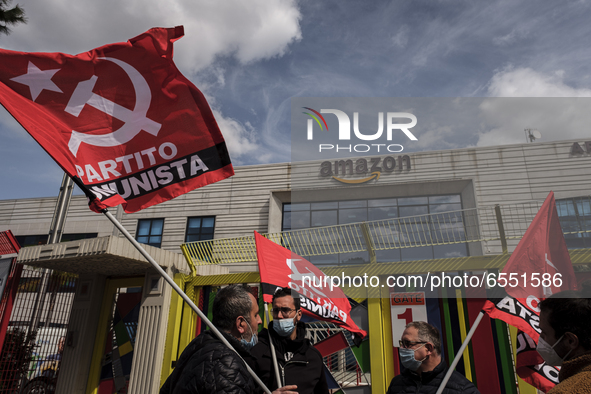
(229, 303)
(427, 333)
(286, 291)
(570, 311)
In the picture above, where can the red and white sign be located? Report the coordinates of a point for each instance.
(542, 251)
(406, 308)
(279, 267)
(120, 119)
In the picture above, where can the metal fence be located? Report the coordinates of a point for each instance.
(37, 331)
(495, 227)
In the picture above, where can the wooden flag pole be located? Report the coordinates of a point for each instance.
(272, 346)
(167, 278)
(452, 367)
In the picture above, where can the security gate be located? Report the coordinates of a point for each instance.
(36, 334)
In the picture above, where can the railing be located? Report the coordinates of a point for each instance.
(343, 365)
(493, 226)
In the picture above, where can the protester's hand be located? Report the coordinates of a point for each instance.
(286, 390)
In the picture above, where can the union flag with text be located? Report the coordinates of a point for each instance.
(121, 119)
(542, 266)
(279, 267)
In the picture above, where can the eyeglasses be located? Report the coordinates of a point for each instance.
(284, 310)
(408, 344)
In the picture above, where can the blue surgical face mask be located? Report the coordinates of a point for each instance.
(253, 339)
(408, 360)
(284, 327)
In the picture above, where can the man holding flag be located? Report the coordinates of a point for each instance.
(290, 282)
(300, 363)
(279, 267)
(207, 365)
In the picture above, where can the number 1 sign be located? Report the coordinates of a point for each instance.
(406, 308)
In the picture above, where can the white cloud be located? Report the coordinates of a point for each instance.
(401, 37)
(512, 37)
(440, 137)
(526, 82)
(253, 30)
(533, 100)
(240, 138)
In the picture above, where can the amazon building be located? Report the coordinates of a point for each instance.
(402, 218)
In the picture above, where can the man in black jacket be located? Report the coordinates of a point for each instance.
(420, 354)
(299, 362)
(207, 365)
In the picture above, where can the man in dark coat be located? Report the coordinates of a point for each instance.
(299, 362)
(207, 365)
(420, 354)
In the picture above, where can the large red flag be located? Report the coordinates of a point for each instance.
(279, 267)
(120, 119)
(539, 267)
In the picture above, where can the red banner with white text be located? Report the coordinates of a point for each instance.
(279, 267)
(542, 265)
(121, 119)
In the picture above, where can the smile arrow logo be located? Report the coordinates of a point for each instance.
(373, 175)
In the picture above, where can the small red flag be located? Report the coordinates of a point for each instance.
(279, 267)
(539, 267)
(121, 119)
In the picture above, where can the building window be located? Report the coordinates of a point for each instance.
(200, 228)
(32, 240)
(149, 231)
(298, 216)
(575, 219)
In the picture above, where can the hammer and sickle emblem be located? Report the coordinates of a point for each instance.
(134, 120)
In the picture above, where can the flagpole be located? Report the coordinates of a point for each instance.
(273, 355)
(182, 294)
(452, 367)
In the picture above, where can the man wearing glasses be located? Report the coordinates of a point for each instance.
(420, 355)
(298, 361)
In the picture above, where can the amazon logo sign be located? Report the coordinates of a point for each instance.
(364, 170)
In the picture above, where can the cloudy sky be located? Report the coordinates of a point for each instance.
(252, 57)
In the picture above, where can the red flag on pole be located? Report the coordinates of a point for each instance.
(539, 267)
(121, 119)
(279, 267)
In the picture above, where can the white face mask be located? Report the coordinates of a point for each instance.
(549, 354)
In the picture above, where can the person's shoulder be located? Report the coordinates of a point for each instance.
(458, 377)
(262, 346)
(464, 384)
(396, 382)
(263, 336)
(207, 344)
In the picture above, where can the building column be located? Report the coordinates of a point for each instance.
(151, 336)
(380, 340)
(80, 339)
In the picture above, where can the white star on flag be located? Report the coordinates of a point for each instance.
(37, 80)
